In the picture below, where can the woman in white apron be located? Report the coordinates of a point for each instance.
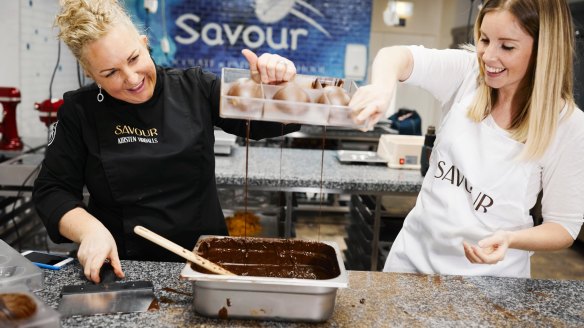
(510, 130)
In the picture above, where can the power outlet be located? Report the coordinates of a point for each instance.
(356, 61)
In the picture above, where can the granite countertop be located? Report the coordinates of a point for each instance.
(289, 168)
(373, 299)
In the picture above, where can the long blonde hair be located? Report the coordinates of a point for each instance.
(549, 79)
(82, 22)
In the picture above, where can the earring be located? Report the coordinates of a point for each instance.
(99, 95)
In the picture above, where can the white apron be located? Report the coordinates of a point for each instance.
(474, 186)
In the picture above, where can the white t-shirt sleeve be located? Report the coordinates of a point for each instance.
(448, 74)
(563, 176)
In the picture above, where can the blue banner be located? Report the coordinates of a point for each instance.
(326, 38)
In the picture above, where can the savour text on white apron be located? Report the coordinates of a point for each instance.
(449, 172)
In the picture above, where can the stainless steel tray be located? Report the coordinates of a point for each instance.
(269, 298)
(268, 109)
(358, 156)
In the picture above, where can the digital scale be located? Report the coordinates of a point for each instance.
(401, 151)
(394, 150)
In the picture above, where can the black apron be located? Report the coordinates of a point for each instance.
(159, 162)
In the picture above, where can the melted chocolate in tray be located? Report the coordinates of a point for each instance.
(263, 257)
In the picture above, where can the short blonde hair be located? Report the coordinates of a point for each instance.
(82, 22)
(550, 77)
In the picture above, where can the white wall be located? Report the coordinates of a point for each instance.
(425, 28)
(29, 56)
(431, 26)
(10, 40)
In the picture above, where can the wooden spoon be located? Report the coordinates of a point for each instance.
(180, 251)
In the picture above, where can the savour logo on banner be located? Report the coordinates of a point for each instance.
(327, 38)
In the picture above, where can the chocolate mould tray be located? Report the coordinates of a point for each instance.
(44, 315)
(266, 298)
(268, 109)
(15, 269)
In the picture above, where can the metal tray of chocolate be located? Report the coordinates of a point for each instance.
(309, 99)
(277, 279)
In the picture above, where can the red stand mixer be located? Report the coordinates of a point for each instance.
(48, 110)
(9, 98)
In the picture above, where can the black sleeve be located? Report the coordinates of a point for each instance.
(59, 186)
(258, 130)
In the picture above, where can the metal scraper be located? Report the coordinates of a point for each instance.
(108, 296)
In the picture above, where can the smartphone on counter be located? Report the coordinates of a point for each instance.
(47, 260)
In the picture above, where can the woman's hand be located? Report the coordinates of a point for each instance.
(489, 250)
(96, 243)
(372, 102)
(269, 68)
(95, 248)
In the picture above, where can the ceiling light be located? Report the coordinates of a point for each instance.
(397, 12)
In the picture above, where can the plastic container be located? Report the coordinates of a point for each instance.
(224, 142)
(265, 108)
(16, 269)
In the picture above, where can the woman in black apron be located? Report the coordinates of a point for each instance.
(140, 139)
